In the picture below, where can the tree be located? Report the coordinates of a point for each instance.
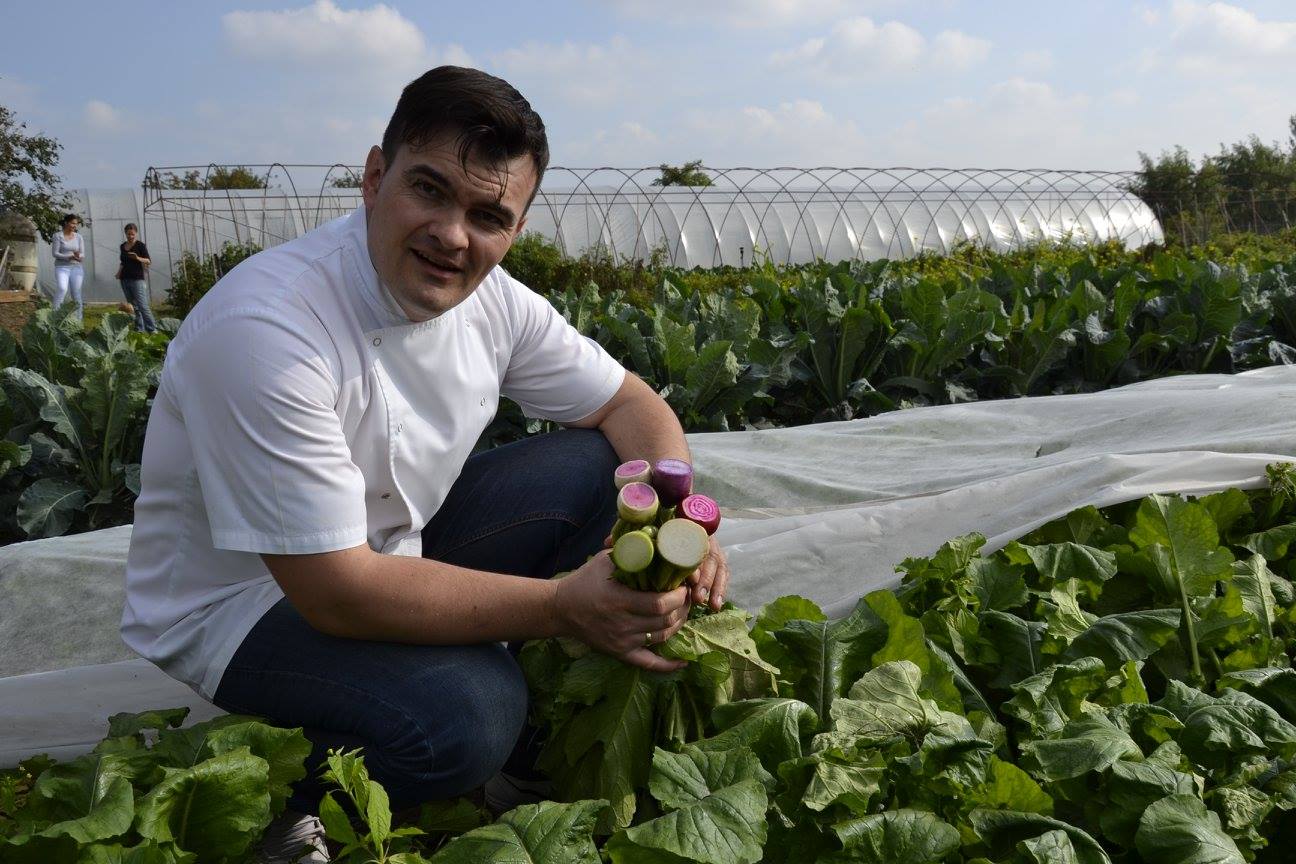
(28, 184)
(688, 174)
(220, 177)
(1249, 186)
(347, 180)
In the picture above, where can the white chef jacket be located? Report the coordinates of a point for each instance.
(300, 411)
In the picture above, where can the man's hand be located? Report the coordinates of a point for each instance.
(617, 620)
(709, 582)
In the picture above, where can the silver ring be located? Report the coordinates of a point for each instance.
(648, 639)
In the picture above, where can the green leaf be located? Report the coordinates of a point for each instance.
(823, 658)
(1060, 562)
(1087, 744)
(1130, 788)
(1187, 532)
(215, 809)
(544, 833)
(909, 836)
(50, 402)
(773, 729)
(715, 371)
(1002, 830)
(1117, 639)
(750, 676)
(834, 776)
(1007, 787)
(1051, 847)
(887, 702)
(284, 750)
(776, 615)
(1179, 829)
(89, 799)
(48, 507)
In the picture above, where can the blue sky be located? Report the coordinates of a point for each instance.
(951, 83)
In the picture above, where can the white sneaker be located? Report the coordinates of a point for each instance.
(503, 792)
(293, 838)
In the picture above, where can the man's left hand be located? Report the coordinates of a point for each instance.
(710, 581)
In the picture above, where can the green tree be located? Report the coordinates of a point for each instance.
(28, 183)
(1248, 186)
(688, 174)
(346, 180)
(221, 177)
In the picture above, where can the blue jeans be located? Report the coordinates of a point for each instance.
(137, 294)
(435, 721)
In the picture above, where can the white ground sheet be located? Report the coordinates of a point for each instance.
(824, 511)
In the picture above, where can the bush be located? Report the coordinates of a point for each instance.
(193, 275)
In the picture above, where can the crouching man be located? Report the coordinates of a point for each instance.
(313, 542)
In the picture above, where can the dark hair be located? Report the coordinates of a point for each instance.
(129, 226)
(68, 217)
(489, 117)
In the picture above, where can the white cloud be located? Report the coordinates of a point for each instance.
(324, 31)
(585, 75)
(1018, 123)
(1220, 39)
(800, 132)
(858, 46)
(747, 13)
(1035, 61)
(102, 117)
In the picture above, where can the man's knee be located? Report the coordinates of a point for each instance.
(464, 736)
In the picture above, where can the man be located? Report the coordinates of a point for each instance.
(312, 543)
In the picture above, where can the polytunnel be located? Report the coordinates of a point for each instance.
(779, 215)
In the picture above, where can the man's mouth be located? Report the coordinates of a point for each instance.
(438, 264)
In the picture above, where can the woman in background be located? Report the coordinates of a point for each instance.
(69, 251)
(134, 258)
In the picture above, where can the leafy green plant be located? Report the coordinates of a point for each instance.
(74, 408)
(192, 276)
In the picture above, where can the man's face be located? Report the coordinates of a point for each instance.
(436, 230)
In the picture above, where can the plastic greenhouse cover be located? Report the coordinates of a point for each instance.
(824, 511)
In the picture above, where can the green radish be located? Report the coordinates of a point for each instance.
(633, 552)
(682, 546)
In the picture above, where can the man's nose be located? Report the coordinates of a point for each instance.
(450, 231)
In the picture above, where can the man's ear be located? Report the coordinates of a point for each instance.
(374, 170)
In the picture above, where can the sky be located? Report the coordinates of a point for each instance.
(626, 83)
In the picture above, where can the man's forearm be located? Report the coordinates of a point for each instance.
(394, 598)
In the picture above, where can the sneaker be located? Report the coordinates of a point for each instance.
(293, 838)
(503, 792)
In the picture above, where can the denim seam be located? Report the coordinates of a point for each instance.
(556, 515)
(395, 709)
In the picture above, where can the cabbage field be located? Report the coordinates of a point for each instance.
(1115, 686)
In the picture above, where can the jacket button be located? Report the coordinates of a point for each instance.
(377, 341)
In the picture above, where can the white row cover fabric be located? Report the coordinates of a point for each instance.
(823, 511)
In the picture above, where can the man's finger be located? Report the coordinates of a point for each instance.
(645, 658)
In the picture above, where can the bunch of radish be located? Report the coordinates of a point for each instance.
(662, 528)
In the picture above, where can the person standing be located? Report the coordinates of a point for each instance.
(134, 260)
(69, 251)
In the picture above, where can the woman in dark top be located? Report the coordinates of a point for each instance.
(134, 258)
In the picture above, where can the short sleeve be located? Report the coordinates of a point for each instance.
(554, 372)
(257, 400)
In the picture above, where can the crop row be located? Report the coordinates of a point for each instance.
(1115, 686)
(775, 348)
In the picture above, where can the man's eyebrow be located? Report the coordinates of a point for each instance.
(422, 170)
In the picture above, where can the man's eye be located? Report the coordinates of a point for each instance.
(493, 219)
(426, 188)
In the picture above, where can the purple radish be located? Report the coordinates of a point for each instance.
(634, 471)
(673, 480)
(702, 510)
(637, 503)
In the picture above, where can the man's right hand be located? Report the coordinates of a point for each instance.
(617, 620)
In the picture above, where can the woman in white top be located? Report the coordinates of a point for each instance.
(69, 250)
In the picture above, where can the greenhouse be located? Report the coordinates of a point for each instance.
(783, 216)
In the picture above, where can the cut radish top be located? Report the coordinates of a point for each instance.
(634, 471)
(702, 510)
(637, 503)
(673, 480)
(633, 551)
(682, 543)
